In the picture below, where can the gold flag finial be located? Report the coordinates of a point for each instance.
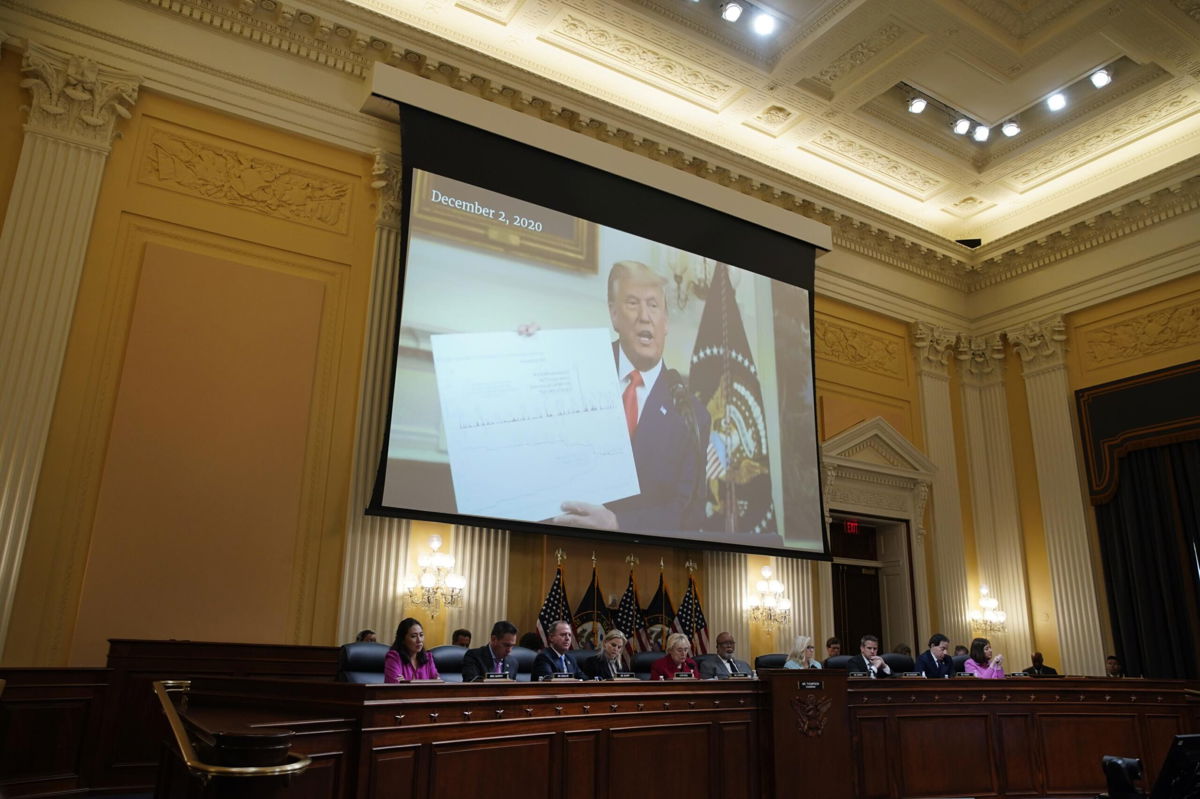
(560, 556)
(593, 558)
(661, 564)
(632, 560)
(690, 565)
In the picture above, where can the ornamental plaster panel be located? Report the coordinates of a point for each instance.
(1189, 7)
(1019, 19)
(243, 178)
(861, 349)
(858, 55)
(968, 207)
(772, 120)
(1150, 333)
(861, 496)
(913, 181)
(501, 11)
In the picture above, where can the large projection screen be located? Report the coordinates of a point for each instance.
(577, 352)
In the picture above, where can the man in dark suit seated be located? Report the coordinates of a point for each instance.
(936, 661)
(494, 657)
(556, 658)
(1039, 668)
(868, 659)
(725, 664)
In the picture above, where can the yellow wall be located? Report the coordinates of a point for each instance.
(197, 466)
(12, 96)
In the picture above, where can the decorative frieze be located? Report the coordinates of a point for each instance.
(877, 162)
(859, 348)
(1150, 333)
(858, 55)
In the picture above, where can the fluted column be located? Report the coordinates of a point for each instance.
(934, 346)
(481, 556)
(999, 544)
(796, 574)
(73, 112)
(726, 586)
(1042, 347)
(376, 549)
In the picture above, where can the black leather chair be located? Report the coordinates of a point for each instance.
(959, 663)
(702, 659)
(838, 662)
(524, 662)
(899, 664)
(362, 662)
(449, 659)
(775, 660)
(642, 661)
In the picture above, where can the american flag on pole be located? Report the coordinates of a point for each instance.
(629, 619)
(690, 619)
(555, 608)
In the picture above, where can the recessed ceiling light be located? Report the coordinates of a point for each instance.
(763, 24)
(731, 12)
(962, 125)
(1056, 101)
(981, 133)
(1101, 78)
(1010, 128)
(916, 105)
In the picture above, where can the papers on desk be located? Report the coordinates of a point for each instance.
(533, 421)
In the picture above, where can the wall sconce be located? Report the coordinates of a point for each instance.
(436, 586)
(691, 279)
(771, 608)
(988, 618)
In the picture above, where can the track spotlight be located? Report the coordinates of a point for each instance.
(981, 133)
(1010, 128)
(916, 105)
(1101, 78)
(731, 12)
(763, 24)
(962, 125)
(1056, 101)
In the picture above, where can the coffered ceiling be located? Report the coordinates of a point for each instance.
(824, 99)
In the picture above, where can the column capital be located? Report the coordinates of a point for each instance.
(935, 345)
(981, 358)
(388, 183)
(1040, 344)
(75, 99)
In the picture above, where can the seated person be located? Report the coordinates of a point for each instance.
(1113, 667)
(868, 659)
(677, 659)
(935, 662)
(903, 649)
(494, 657)
(366, 636)
(960, 650)
(408, 659)
(555, 659)
(803, 654)
(610, 660)
(981, 663)
(1039, 669)
(461, 637)
(724, 664)
(531, 641)
(833, 647)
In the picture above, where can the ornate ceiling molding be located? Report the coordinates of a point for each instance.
(858, 55)
(895, 172)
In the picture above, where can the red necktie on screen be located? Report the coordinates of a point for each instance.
(629, 398)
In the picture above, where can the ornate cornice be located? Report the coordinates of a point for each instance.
(75, 99)
(389, 184)
(1040, 344)
(935, 345)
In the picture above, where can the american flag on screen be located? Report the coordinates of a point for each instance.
(659, 616)
(591, 616)
(690, 619)
(555, 608)
(629, 619)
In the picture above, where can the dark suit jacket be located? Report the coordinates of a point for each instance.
(668, 460)
(478, 662)
(932, 669)
(596, 667)
(1044, 671)
(547, 663)
(715, 667)
(859, 663)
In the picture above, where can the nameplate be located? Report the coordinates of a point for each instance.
(625, 676)
(1018, 674)
(809, 685)
(684, 675)
(741, 675)
(859, 674)
(492, 675)
(962, 674)
(434, 679)
(912, 674)
(562, 675)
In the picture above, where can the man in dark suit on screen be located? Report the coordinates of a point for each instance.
(494, 657)
(669, 428)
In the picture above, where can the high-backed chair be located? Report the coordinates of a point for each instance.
(775, 660)
(642, 661)
(361, 662)
(449, 659)
(839, 662)
(524, 662)
(960, 662)
(899, 664)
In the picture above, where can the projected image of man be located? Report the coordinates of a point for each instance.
(667, 426)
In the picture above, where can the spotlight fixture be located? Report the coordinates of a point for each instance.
(731, 12)
(962, 125)
(1010, 128)
(1056, 101)
(763, 24)
(981, 133)
(1101, 78)
(916, 105)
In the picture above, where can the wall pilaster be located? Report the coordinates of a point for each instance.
(996, 511)
(935, 346)
(73, 114)
(1042, 347)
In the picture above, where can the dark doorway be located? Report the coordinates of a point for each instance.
(856, 608)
